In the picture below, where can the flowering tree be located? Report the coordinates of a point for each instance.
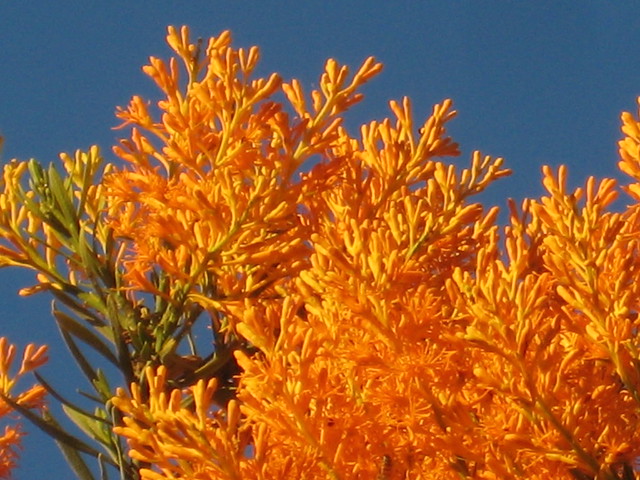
(254, 293)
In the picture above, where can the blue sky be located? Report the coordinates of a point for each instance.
(534, 82)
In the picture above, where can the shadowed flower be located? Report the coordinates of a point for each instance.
(32, 398)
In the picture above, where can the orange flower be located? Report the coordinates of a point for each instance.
(32, 358)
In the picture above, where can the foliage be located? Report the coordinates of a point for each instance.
(281, 299)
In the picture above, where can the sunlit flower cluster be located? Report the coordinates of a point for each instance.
(187, 441)
(210, 196)
(398, 333)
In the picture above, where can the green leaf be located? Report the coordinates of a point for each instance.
(73, 458)
(93, 398)
(80, 359)
(36, 171)
(120, 311)
(124, 355)
(80, 310)
(64, 402)
(110, 243)
(90, 260)
(93, 301)
(83, 193)
(101, 384)
(61, 193)
(81, 332)
(94, 429)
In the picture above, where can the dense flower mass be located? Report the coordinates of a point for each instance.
(397, 335)
(287, 299)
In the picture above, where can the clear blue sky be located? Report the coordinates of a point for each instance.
(535, 82)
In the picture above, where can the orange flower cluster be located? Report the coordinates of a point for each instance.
(215, 202)
(337, 277)
(31, 398)
(189, 442)
(397, 333)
